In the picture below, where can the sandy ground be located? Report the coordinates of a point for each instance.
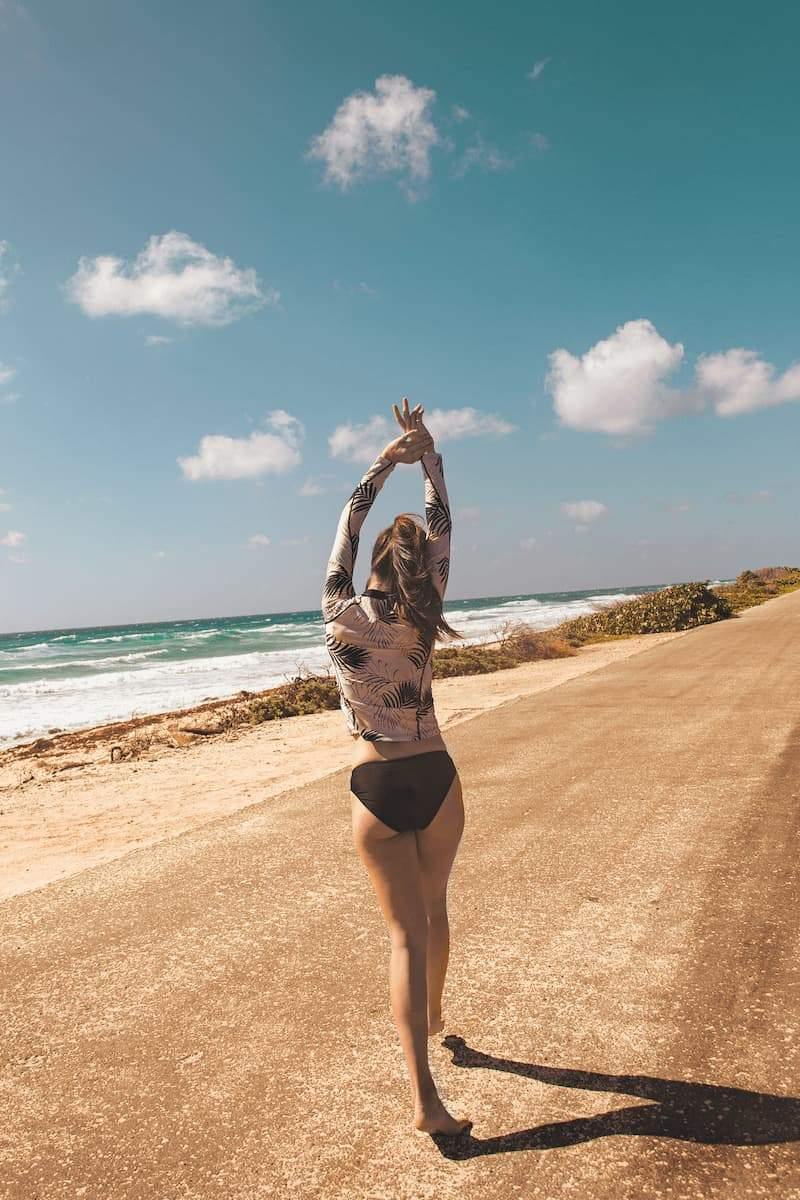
(69, 807)
(207, 1016)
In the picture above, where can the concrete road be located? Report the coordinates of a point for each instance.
(209, 1018)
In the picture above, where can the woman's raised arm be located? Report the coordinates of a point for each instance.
(438, 520)
(338, 592)
(339, 577)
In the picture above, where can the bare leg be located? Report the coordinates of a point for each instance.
(437, 845)
(392, 863)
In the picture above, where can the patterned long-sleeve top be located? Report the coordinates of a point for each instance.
(382, 664)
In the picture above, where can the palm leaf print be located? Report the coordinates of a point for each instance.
(346, 656)
(369, 683)
(418, 655)
(363, 496)
(377, 635)
(425, 703)
(437, 517)
(337, 581)
(402, 695)
(443, 568)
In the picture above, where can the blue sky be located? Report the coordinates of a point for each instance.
(569, 229)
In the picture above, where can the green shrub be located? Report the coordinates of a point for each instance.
(754, 587)
(518, 643)
(302, 695)
(683, 606)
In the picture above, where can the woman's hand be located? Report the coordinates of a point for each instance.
(411, 422)
(409, 447)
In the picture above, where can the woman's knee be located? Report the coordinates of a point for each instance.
(412, 939)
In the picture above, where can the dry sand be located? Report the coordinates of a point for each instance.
(208, 1018)
(69, 807)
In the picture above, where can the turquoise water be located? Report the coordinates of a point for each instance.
(59, 679)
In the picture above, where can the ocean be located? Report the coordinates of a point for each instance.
(63, 679)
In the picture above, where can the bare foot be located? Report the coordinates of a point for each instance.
(433, 1117)
(435, 1025)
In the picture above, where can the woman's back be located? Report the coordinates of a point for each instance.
(382, 662)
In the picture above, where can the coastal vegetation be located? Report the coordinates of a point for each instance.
(682, 606)
(754, 587)
(671, 609)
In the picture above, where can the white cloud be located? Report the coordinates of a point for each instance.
(13, 538)
(540, 141)
(619, 385)
(6, 374)
(738, 381)
(221, 457)
(155, 339)
(363, 443)
(537, 68)
(449, 424)
(258, 539)
(527, 543)
(174, 278)
(459, 113)
(388, 131)
(584, 511)
(360, 443)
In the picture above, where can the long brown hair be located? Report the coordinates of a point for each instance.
(400, 560)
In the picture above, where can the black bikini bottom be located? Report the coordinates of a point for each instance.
(404, 793)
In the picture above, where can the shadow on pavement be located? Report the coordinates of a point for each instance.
(691, 1112)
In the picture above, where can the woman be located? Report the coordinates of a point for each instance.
(407, 809)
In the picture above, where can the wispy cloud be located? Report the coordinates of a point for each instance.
(258, 540)
(6, 375)
(388, 131)
(5, 275)
(584, 512)
(537, 68)
(174, 278)
(459, 113)
(527, 543)
(311, 487)
(13, 538)
(483, 156)
(539, 141)
(156, 339)
(362, 443)
(221, 457)
(361, 288)
(763, 496)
